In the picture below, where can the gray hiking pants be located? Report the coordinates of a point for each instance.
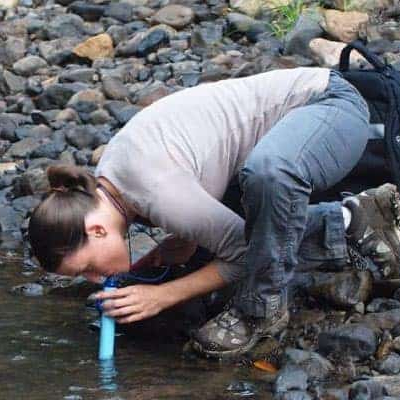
(310, 149)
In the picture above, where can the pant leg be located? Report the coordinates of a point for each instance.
(311, 148)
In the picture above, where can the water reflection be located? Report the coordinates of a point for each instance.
(107, 375)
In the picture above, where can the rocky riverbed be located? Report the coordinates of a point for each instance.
(73, 72)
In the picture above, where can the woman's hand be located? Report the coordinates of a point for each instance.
(133, 303)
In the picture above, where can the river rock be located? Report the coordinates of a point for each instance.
(295, 395)
(100, 46)
(342, 289)
(12, 49)
(206, 34)
(88, 11)
(114, 89)
(36, 132)
(151, 42)
(175, 15)
(121, 11)
(58, 95)
(291, 377)
(387, 30)
(62, 26)
(151, 93)
(29, 65)
(327, 53)
(390, 365)
(316, 366)
(344, 26)
(98, 117)
(306, 28)
(356, 341)
(382, 304)
(362, 5)
(86, 101)
(121, 111)
(22, 148)
(86, 75)
(383, 320)
(367, 390)
(58, 51)
(28, 289)
(10, 83)
(255, 7)
(51, 149)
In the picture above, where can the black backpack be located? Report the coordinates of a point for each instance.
(380, 87)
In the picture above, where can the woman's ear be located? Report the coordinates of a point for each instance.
(96, 231)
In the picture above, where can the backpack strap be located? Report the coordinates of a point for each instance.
(358, 45)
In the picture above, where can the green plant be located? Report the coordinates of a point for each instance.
(283, 18)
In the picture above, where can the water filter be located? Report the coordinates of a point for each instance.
(107, 327)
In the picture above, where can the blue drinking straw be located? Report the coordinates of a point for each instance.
(107, 328)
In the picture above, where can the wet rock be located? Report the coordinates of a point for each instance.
(344, 26)
(247, 25)
(162, 72)
(151, 93)
(100, 46)
(151, 42)
(29, 289)
(316, 366)
(383, 320)
(342, 289)
(51, 150)
(86, 75)
(58, 95)
(366, 390)
(114, 89)
(291, 377)
(12, 49)
(22, 148)
(121, 11)
(306, 29)
(86, 101)
(121, 111)
(242, 388)
(387, 30)
(82, 137)
(390, 365)
(355, 341)
(206, 34)
(35, 132)
(334, 394)
(381, 46)
(10, 83)
(32, 181)
(327, 53)
(88, 11)
(98, 117)
(382, 304)
(58, 51)
(175, 15)
(295, 395)
(8, 124)
(29, 65)
(63, 26)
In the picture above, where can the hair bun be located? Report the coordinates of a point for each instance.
(63, 178)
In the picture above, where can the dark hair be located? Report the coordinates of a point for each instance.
(57, 225)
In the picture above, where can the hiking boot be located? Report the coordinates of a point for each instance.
(232, 333)
(374, 228)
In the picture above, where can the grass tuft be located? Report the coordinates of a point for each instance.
(283, 18)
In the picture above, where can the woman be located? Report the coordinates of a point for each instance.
(285, 134)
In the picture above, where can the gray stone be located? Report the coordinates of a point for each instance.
(29, 65)
(307, 28)
(63, 26)
(390, 365)
(22, 148)
(120, 11)
(29, 289)
(383, 304)
(162, 72)
(58, 51)
(10, 220)
(8, 124)
(100, 116)
(32, 181)
(295, 395)
(58, 95)
(84, 137)
(86, 75)
(88, 11)
(366, 390)
(206, 34)
(51, 150)
(114, 89)
(12, 49)
(86, 101)
(121, 111)
(10, 83)
(35, 132)
(383, 320)
(316, 366)
(356, 341)
(175, 15)
(291, 377)
(151, 42)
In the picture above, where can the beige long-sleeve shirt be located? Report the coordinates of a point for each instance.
(174, 160)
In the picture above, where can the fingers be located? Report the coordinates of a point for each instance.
(133, 318)
(124, 311)
(114, 294)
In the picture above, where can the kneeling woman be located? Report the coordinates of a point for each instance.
(285, 134)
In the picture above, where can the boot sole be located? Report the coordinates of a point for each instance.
(271, 331)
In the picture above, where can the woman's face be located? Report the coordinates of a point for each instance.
(105, 252)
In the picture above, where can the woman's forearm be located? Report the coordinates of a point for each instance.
(200, 282)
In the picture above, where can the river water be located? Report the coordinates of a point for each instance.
(48, 352)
